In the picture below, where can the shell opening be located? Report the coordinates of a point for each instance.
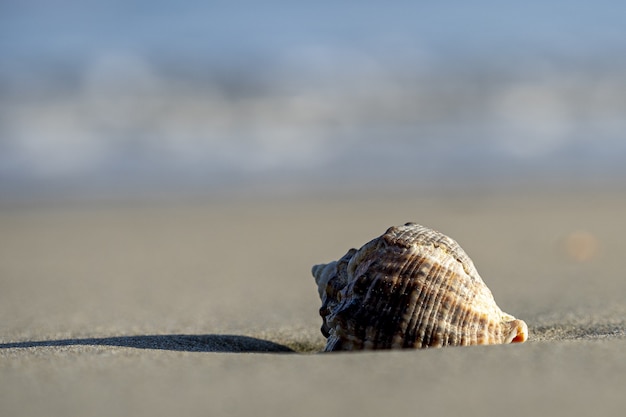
(518, 332)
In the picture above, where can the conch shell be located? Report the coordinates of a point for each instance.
(412, 287)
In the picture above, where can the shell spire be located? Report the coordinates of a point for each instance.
(412, 287)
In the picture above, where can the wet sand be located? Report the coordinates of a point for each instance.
(207, 307)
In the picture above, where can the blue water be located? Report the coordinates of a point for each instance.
(162, 95)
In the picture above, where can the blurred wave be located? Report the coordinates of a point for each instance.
(218, 95)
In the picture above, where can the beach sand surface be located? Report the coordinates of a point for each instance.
(206, 306)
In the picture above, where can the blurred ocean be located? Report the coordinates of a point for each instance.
(107, 96)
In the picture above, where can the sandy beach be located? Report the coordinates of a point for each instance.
(208, 307)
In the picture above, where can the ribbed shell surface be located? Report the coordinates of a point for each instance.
(413, 287)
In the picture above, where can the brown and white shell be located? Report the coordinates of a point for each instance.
(412, 287)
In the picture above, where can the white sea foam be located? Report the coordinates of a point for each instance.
(357, 103)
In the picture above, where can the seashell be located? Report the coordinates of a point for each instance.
(412, 287)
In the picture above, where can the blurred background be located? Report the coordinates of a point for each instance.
(118, 97)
